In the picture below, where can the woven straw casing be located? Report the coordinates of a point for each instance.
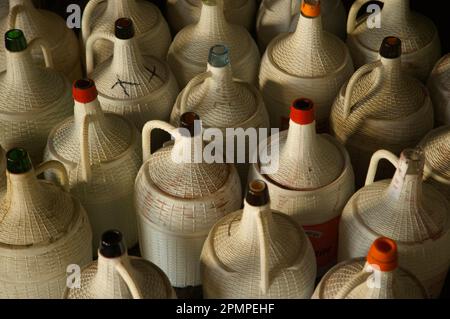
(439, 86)
(413, 214)
(380, 107)
(307, 63)
(43, 230)
(102, 155)
(181, 13)
(178, 203)
(151, 28)
(188, 52)
(257, 253)
(313, 182)
(2, 170)
(33, 101)
(279, 16)
(353, 279)
(111, 278)
(420, 38)
(46, 25)
(436, 147)
(139, 87)
(223, 102)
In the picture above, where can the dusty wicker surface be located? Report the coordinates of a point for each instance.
(114, 154)
(279, 16)
(420, 38)
(439, 86)
(349, 280)
(181, 13)
(101, 280)
(147, 90)
(388, 109)
(188, 53)
(232, 264)
(42, 231)
(150, 26)
(436, 146)
(306, 63)
(43, 24)
(413, 214)
(35, 99)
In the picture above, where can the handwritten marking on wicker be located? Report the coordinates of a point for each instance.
(122, 85)
(153, 74)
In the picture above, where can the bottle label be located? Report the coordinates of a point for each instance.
(324, 239)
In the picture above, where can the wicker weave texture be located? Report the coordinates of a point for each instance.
(46, 25)
(188, 52)
(420, 38)
(150, 26)
(2, 170)
(181, 13)
(439, 86)
(279, 16)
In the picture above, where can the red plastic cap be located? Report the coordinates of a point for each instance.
(310, 8)
(84, 91)
(302, 111)
(383, 253)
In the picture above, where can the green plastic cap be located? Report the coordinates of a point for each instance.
(18, 161)
(15, 40)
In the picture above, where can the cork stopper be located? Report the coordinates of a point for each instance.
(188, 121)
(111, 244)
(18, 161)
(124, 29)
(310, 8)
(302, 111)
(391, 48)
(383, 254)
(84, 91)
(257, 193)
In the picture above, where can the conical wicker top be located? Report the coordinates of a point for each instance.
(441, 73)
(307, 160)
(309, 51)
(193, 42)
(34, 212)
(2, 169)
(437, 151)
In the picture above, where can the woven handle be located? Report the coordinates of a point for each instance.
(85, 163)
(90, 63)
(352, 83)
(194, 82)
(45, 50)
(87, 16)
(60, 170)
(376, 157)
(352, 21)
(428, 173)
(129, 281)
(147, 135)
(12, 16)
(263, 254)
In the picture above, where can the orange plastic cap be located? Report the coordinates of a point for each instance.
(84, 91)
(383, 254)
(302, 111)
(310, 8)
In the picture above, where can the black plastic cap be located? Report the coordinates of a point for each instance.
(111, 244)
(15, 40)
(188, 120)
(391, 48)
(124, 29)
(18, 161)
(257, 193)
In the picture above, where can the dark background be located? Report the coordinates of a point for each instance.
(434, 9)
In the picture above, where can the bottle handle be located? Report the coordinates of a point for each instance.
(60, 170)
(147, 135)
(87, 16)
(264, 254)
(85, 163)
(353, 14)
(90, 63)
(48, 58)
(352, 83)
(129, 281)
(376, 157)
(12, 15)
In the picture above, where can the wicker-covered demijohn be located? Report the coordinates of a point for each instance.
(439, 86)
(188, 53)
(420, 38)
(102, 155)
(257, 253)
(2, 170)
(308, 63)
(179, 197)
(44, 231)
(405, 209)
(115, 275)
(37, 23)
(311, 180)
(376, 277)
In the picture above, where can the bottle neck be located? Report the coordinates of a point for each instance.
(121, 8)
(250, 225)
(380, 284)
(20, 67)
(392, 73)
(212, 19)
(406, 185)
(396, 11)
(97, 120)
(188, 150)
(127, 58)
(25, 3)
(301, 141)
(308, 35)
